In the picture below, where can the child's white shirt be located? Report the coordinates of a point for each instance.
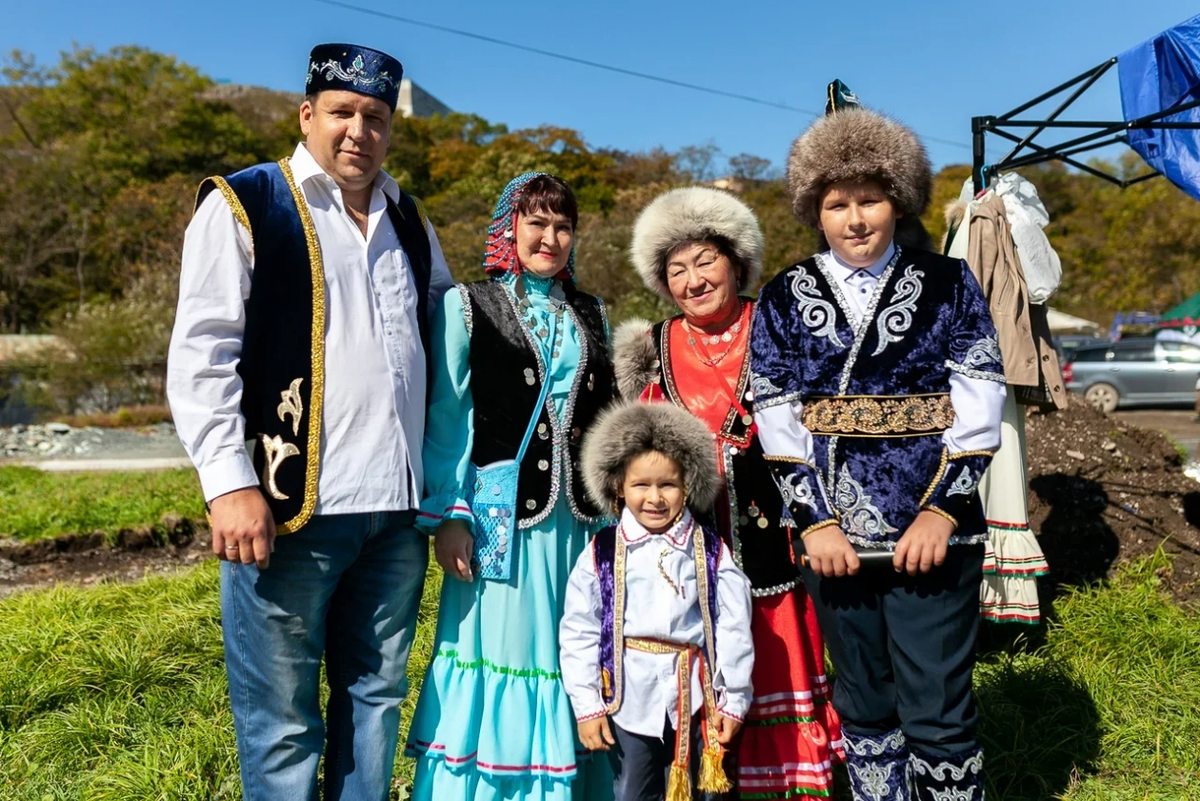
(655, 610)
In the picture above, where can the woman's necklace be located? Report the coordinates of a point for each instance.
(529, 316)
(729, 336)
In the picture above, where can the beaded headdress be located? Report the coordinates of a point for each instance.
(500, 254)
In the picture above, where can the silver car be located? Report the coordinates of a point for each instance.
(1134, 372)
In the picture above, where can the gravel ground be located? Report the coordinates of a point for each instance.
(60, 441)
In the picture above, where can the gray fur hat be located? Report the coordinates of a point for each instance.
(629, 429)
(693, 214)
(857, 144)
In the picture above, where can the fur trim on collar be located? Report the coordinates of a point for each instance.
(857, 145)
(635, 357)
(692, 214)
(628, 429)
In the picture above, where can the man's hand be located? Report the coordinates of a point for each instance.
(454, 546)
(830, 554)
(596, 735)
(727, 729)
(243, 527)
(924, 544)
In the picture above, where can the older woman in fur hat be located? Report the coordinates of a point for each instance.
(702, 248)
(878, 394)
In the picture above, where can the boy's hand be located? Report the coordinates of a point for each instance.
(727, 728)
(596, 735)
(924, 544)
(830, 553)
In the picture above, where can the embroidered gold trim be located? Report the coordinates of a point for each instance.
(421, 213)
(235, 205)
(275, 450)
(965, 454)
(937, 511)
(858, 415)
(316, 396)
(292, 404)
(815, 526)
(789, 460)
(618, 624)
(937, 478)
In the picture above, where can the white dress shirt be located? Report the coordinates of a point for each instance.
(978, 403)
(373, 420)
(654, 609)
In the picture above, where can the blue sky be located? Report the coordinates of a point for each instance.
(931, 64)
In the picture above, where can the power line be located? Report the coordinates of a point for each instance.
(595, 64)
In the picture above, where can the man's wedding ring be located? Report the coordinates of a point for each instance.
(231, 547)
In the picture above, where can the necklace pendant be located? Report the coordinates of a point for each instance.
(727, 337)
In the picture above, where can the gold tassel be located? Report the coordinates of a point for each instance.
(679, 785)
(712, 772)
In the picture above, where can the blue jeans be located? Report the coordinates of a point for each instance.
(346, 588)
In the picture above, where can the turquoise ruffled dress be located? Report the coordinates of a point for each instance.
(493, 720)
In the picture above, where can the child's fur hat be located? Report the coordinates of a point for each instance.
(856, 144)
(626, 430)
(693, 214)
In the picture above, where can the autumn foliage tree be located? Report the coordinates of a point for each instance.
(100, 155)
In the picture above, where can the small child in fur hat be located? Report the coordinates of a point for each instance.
(656, 653)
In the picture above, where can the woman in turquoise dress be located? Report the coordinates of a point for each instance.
(493, 720)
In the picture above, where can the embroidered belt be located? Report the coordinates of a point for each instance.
(879, 415)
(712, 773)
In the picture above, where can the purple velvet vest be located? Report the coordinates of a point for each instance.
(604, 553)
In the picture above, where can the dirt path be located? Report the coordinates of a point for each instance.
(84, 559)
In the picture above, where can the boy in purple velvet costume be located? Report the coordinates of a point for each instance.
(656, 650)
(879, 389)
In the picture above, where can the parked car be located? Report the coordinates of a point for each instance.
(1067, 344)
(1134, 372)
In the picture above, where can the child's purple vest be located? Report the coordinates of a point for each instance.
(604, 552)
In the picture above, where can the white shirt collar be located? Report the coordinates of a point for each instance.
(847, 271)
(634, 533)
(305, 168)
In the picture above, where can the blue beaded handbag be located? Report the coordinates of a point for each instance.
(494, 498)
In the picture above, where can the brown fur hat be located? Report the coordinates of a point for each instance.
(855, 145)
(693, 214)
(629, 429)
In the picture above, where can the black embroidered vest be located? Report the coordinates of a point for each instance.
(282, 363)
(502, 355)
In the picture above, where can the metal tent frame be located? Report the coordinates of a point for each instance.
(1102, 134)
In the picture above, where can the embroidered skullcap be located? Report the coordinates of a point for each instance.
(354, 68)
(500, 253)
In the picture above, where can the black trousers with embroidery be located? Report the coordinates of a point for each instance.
(904, 650)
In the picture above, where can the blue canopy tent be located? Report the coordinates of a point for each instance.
(1164, 73)
(1160, 98)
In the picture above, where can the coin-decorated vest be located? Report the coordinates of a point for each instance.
(507, 374)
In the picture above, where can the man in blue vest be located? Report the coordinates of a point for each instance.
(302, 328)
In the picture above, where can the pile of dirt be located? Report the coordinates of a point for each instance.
(1101, 492)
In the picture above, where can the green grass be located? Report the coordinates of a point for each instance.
(35, 504)
(118, 692)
